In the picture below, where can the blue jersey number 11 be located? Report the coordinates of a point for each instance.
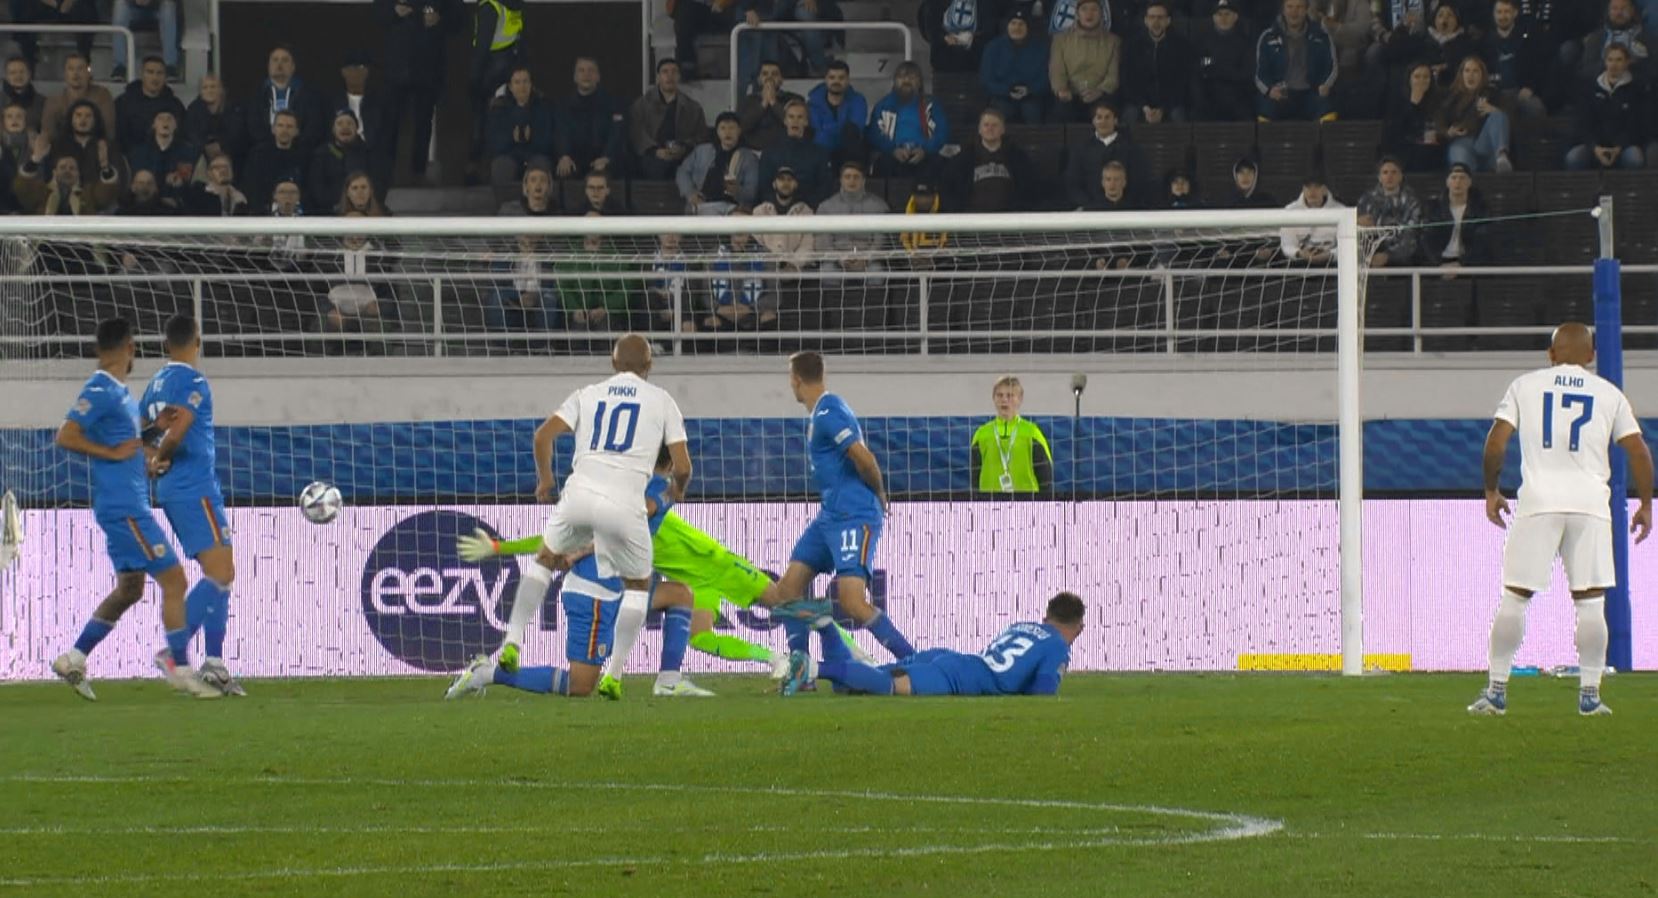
(616, 439)
(1567, 400)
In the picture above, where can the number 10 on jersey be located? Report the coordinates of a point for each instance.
(1567, 401)
(616, 433)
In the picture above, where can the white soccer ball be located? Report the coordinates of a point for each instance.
(320, 502)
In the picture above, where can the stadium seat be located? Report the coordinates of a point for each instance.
(1347, 149)
(1540, 145)
(1287, 148)
(1216, 147)
(1640, 309)
(1567, 239)
(1509, 302)
(573, 193)
(1167, 148)
(898, 192)
(1386, 305)
(655, 198)
(1510, 196)
(1634, 213)
(1447, 303)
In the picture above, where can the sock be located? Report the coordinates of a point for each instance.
(731, 648)
(831, 645)
(207, 608)
(1591, 641)
(857, 676)
(1508, 630)
(630, 619)
(92, 634)
(544, 680)
(178, 641)
(799, 636)
(881, 627)
(533, 581)
(676, 634)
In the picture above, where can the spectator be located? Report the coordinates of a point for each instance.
(1448, 43)
(164, 155)
(1225, 67)
(761, 112)
(694, 17)
(369, 106)
(353, 304)
(722, 175)
(529, 301)
(1246, 183)
(283, 91)
(344, 154)
(521, 131)
(417, 59)
(143, 98)
(794, 250)
(1062, 17)
(217, 196)
(1611, 118)
(276, 160)
(14, 135)
(907, 129)
(956, 31)
(1180, 192)
(1561, 26)
(798, 152)
(1014, 72)
(923, 200)
(1351, 25)
(1518, 61)
(1295, 67)
(769, 45)
(992, 174)
(210, 123)
(77, 86)
(1107, 144)
(1157, 69)
(536, 196)
(1314, 246)
(1401, 33)
(838, 114)
(163, 14)
(594, 304)
(1391, 204)
(742, 299)
(53, 12)
(670, 291)
(664, 125)
(591, 130)
(598, 198)
(64, 193)
(1454, 226)
(1475, 129)
(19, 88)
(84, 139)
(144, 198)
(1008, 454)
(1621, 27)
(1410, 131)
(1083, 64)
(1113, 195)
(496, 28)
(360, 197)
(853, 252)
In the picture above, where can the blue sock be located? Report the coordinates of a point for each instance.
(92, 634)
(179, 642)
(880, 626)
(213, 629)
(207, 608)
(676, 635)
(799, 636)
(856, 676)
(829, 640)
(535, 679)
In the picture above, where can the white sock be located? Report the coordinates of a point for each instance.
(1508, 630)
(1591, 641)
(630, 619)
(532, 589)
(667, 678)
(76, 656)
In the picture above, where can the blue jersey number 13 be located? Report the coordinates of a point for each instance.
(616, 433)
(1567, 400)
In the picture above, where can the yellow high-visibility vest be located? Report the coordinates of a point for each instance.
(509, 24)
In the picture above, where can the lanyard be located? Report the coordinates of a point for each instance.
(1006, 452)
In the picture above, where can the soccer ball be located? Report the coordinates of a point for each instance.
(320, 502)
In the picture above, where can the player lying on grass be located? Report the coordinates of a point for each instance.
(591, 604)
(1027, 659)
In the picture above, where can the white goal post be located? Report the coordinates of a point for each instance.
(1159, 242)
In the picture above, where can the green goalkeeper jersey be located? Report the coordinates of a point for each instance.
(684, 554)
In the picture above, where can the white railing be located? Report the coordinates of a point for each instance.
(120, 31)
(737, 88)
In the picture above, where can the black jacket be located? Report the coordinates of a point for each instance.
(960, 177)
(372, 120)
(415, 54)
(304, 101)
(1157, 73)
(1088, 159)
(331, 164)
(1405, 126)
(1436, 230)
(202, 126)
(811, 168)
(198, 201)
(1224, 71)
(268, 164)
(590, 127)
(1613, 116)
(134, 112)
(1524, 51)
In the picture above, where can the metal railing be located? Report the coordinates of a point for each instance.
(740, 27)
(121, 31)
(927, 326)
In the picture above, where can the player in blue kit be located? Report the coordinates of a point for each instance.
(178, 409)
(103, 425)
(842, 538)
(1027, 659)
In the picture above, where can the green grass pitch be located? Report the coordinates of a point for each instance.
(1142, 785)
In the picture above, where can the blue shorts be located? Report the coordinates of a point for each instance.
(199, 522)
(590, 626)
(845, 547)
(943, 672)
(137, 543)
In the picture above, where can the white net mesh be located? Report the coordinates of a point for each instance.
(1190, 499)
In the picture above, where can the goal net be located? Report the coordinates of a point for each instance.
(1195, 391)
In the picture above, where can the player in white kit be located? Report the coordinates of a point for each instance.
(620, 426)
(1567, 417)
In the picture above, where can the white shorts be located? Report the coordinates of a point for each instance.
(618, 530)
(1583, 542)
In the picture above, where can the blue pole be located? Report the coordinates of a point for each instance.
(1609, 364)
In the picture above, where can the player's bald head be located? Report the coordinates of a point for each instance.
(1573, 344)
(632, 353)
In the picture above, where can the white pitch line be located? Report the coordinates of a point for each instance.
(1474, 837)
(234, 830)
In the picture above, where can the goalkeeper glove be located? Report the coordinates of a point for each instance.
(478, 546)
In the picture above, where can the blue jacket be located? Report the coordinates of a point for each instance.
(830, 122)
(1272, 58)
(1005, 65)
(506, 114)
(920, 122)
